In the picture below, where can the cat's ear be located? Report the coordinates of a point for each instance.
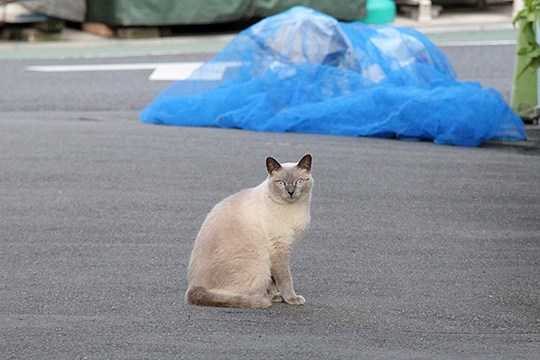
(305, 163)
(272, 165)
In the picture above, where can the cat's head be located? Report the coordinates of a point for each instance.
(289, 182)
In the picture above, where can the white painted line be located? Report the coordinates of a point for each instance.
(171, 72)
(162, 71)
(94, 67)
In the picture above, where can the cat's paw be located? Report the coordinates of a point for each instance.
(276, 298)
(298, 300)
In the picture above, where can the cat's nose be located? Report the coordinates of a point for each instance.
(290, 189)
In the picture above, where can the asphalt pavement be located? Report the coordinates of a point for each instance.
(415, 251)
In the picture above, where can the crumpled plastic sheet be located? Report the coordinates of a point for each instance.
(303, 71)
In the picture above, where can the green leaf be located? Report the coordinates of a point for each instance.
(530, 12)
(519, 16)
(535, 53)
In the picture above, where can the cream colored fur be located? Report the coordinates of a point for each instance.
(241, 254)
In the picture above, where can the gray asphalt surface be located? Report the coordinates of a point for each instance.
(416, 251)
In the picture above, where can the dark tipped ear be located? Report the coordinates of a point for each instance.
(305, 162)
(272, 165)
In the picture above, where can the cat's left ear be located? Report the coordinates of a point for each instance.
(305, 163)
(272, 165)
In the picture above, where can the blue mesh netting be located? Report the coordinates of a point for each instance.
(304, 71)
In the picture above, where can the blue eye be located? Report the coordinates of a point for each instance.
(299, 181)
(280, 183)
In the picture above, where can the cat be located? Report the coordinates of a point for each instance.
(241, 254)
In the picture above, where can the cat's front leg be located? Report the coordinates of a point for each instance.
(282, 275)
(273, 292)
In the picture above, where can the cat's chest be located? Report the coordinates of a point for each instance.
(287, 224)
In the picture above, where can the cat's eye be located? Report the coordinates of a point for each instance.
(280, 183)
(300, 181)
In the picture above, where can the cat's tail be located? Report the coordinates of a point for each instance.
(199, 295)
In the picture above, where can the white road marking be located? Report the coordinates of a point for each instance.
(162, 71)
(177, 71)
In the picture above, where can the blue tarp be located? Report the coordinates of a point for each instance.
(304, 71)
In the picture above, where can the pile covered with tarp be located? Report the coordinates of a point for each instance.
(303, 71)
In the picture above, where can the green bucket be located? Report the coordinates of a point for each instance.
(380, 12)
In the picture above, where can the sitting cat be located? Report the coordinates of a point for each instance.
(241, 254)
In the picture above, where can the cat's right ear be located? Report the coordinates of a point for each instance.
(272, 165)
